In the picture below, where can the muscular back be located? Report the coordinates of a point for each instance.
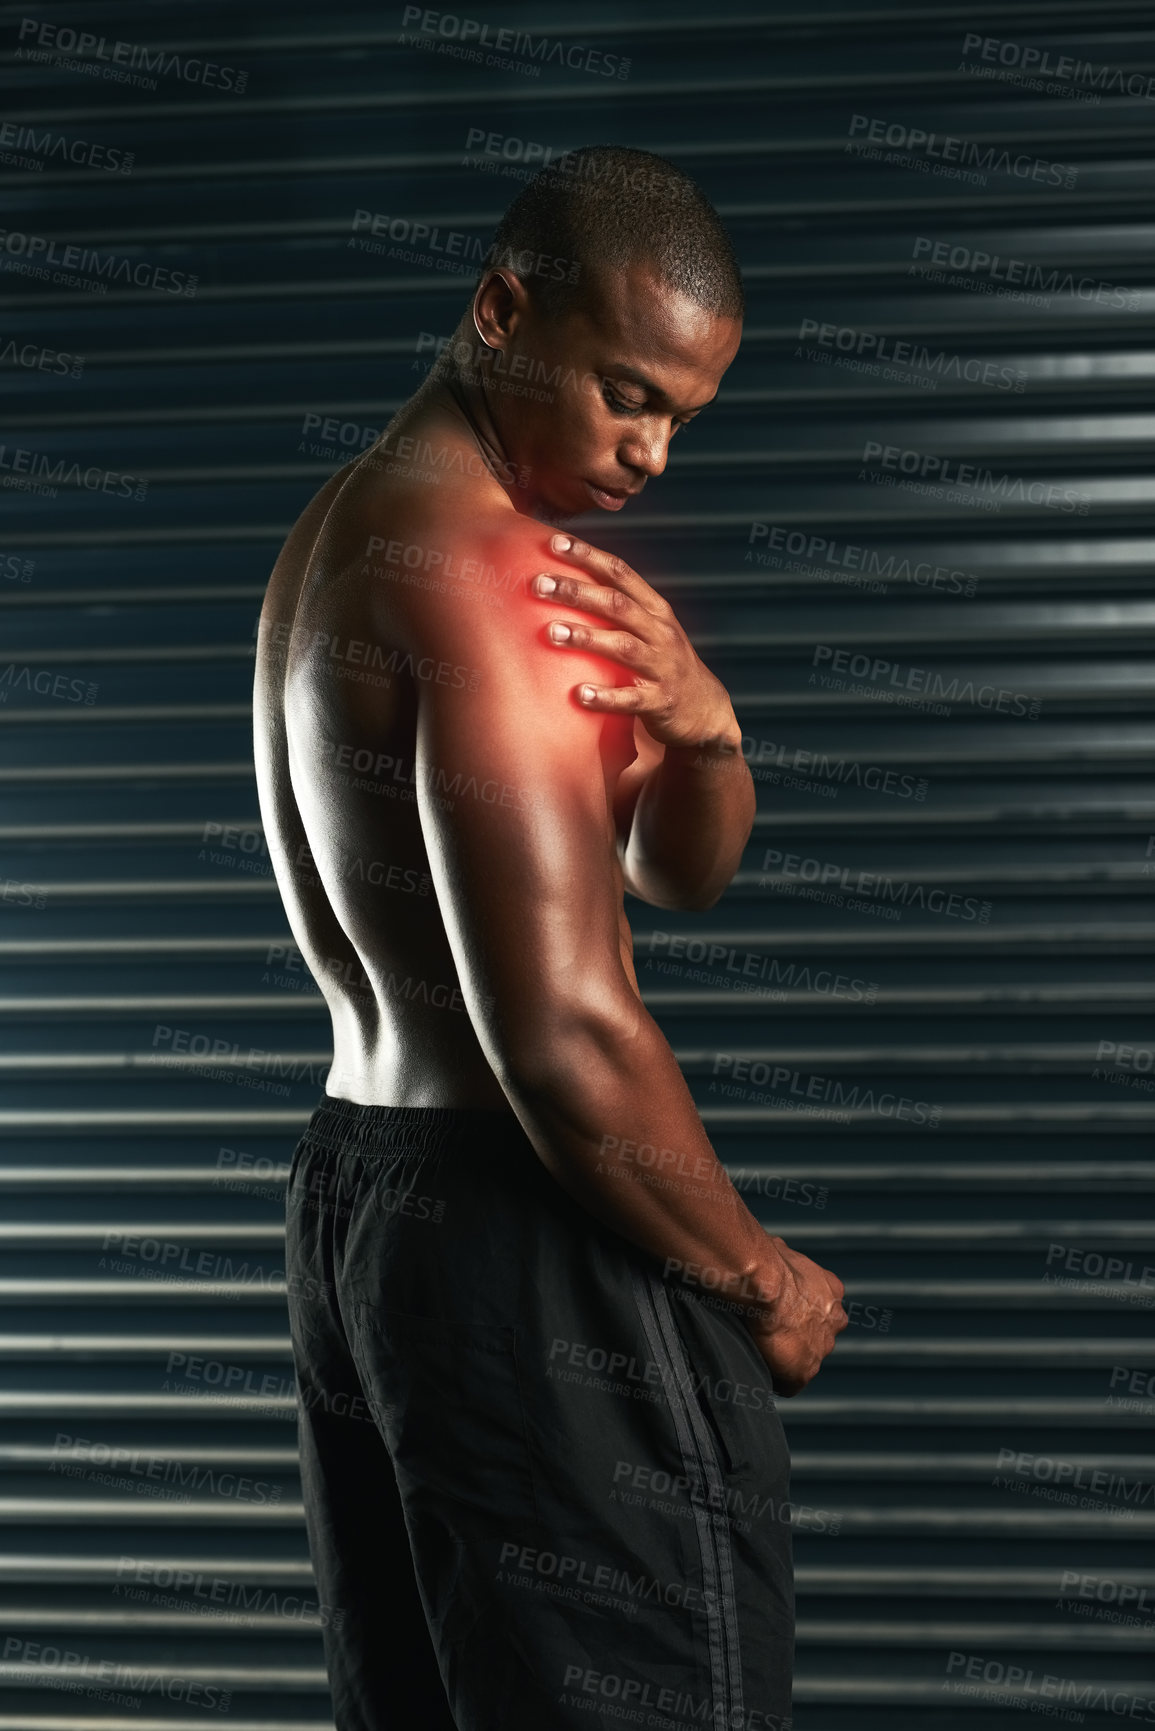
(424, 771)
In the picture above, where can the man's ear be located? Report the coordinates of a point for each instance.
(498, 306)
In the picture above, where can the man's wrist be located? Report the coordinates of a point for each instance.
(753, 1288)
(761, 1288)
(764, 1284)
(718, 742)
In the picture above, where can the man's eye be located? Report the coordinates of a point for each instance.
(619, 407)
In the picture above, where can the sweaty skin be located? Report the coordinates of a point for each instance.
(453, 826)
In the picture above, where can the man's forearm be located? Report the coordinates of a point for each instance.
(615, 1124)
(692, 820)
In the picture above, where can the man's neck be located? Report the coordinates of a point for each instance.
(465, 402)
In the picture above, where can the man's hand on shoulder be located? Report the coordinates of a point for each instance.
(679, 701)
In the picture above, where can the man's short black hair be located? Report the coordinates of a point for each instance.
(608, 205)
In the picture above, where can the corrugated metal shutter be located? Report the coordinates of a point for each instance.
(920, 1024)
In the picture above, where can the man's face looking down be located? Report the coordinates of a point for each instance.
(626, 364)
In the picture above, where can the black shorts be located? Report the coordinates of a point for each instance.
(545, 1487)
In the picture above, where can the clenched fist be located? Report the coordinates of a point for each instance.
(797, 1329)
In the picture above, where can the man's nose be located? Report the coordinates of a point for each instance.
(645, 452)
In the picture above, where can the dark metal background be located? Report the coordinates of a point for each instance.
(140, 919)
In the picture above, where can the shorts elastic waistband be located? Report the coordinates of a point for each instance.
(395, 1131)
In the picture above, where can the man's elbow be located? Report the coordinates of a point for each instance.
(682, 897)
(564, 1046)
(704, 899)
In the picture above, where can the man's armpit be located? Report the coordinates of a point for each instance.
(644, 755)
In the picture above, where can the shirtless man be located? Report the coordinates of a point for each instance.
(536, 1330)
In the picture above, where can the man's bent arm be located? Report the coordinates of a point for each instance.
(689, 818)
